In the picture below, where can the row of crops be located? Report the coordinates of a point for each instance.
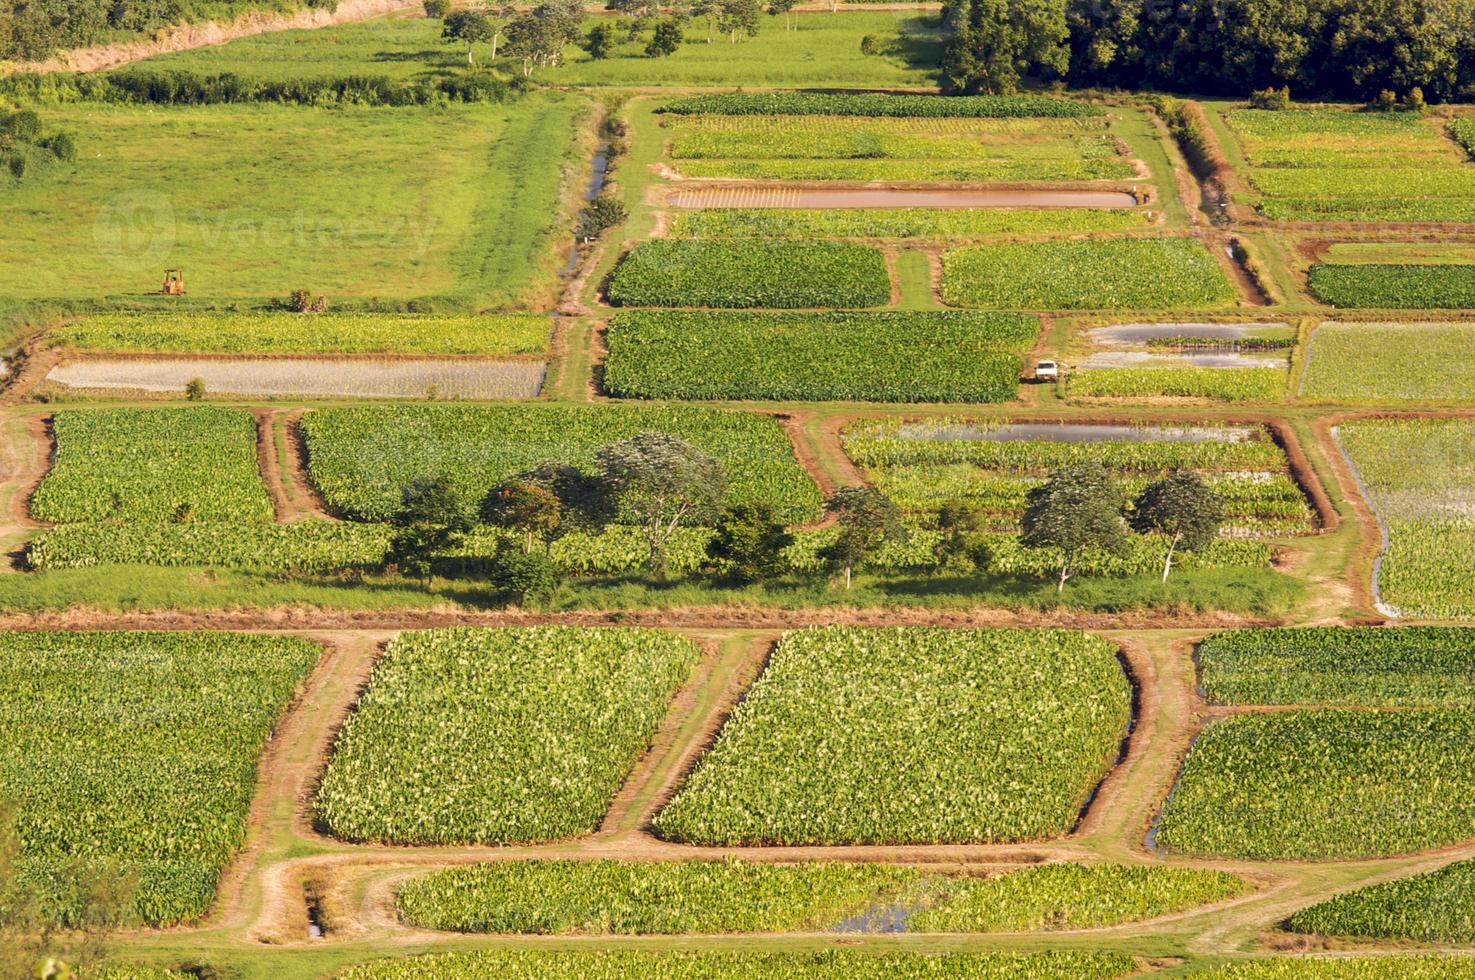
(924, 464)
(942, 225)
(207, 332)
(1265, 384)
(135, 754)
(1391, 362)
(1393, 286)
(1329, 165)
(543, 724)
(887, 356)
(673, 897)
(751, 273)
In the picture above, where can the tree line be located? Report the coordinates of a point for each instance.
(1325, 49)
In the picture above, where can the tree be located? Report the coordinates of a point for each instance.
(525, 507)
(752, 541)
(1183, 507)
(665, 39)
(786, 8)
(736, 17)
(468, 27)
(600, 40)
(959, 523)
(1078, 508)
(429, 521)
(639, 9)
(867, 519)
(531, 577)
(994, 43)
(705, 10)
(437, 9)
(538, 37)
(661, 483)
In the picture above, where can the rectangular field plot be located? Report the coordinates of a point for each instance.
(744, 274)
(256, 200)
(1101, 274)
(910, 736)
(153, 466)
(1419, 476)
(208, 332)
(830, 964)
(896, 149)
(674, 897)
(361, 458)
(884, 357)
(1382, 967)
(1330, 165)
(1391, 362)
(317, 377)
(1438, 906)
(1230, 362)
(1321, 785)
(498, 736)
(940, 224)
(924, 464)
(1404, 286)
(138, 749)
(1429, 667)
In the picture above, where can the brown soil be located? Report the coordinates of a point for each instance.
(795, 424)
(30, 469)
(266, 464)
(306, 501)
(892, 276)
(1145, 685)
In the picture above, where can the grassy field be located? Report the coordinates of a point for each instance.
(254, 201)
(1391, 362)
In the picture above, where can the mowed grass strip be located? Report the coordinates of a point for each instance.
(1436, 907)
(745, 274)
(361, 458)
(1324, 785)
(1392, 362)
(498, 736)
(910, 736)
(645, 897)
(831, 964)
(137, 751)
(676, 897)
(203, 331)
(1393, 287)
(1412, 665)
(153, 466)
(923, 224)
(1096, 274)
(883, 356)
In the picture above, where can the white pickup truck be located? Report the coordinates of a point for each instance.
(1047, 371)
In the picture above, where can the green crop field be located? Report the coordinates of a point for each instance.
(747, 273)
(361, 458)
(136, 753)
(153, 466)
(258, 200)
(923, 224)
(498, 736)
(1419, 474)
(626, 897)
(1420, 666)
(193, 331)
(1318, 785)
(909, 736)
(684, 965)
(884, 357)
(1389, 287)
(1371, 362)
(1101, 274)
(1436, 907)
(1328, 165)
(1349, 968)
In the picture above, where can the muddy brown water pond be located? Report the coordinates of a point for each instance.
(1076, 432)
(893, 197)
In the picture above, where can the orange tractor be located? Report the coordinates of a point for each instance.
(173, 282)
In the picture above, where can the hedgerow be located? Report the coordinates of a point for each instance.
(909, 736)
(883, 356)
(498, 736)
(751, 273)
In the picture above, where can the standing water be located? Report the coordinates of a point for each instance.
(597, 178)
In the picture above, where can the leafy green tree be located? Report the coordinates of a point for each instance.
(960, 524)
(992, 44)
(737, 18)
(468, 27)
(600, 40)
(665, 38)
(661, 483)
(523, 506)
(532, 577)
(429, 521)
(1078, 509)
(866, 519)
(752, 541)
(538, 37)
(1184, 508)
(437, 9)
(786, 9)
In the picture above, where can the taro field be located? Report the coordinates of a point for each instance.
(1369, 362)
